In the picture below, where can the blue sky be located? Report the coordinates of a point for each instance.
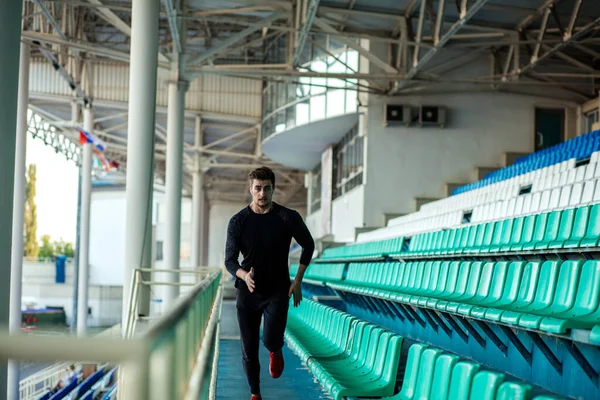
(56, 197)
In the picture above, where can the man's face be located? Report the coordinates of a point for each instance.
(262, 192)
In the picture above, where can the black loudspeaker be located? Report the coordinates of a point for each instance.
(397, 114)
(432, 115)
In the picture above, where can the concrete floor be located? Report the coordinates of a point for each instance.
(295, 383)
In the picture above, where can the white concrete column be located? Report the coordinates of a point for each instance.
(10, 33)
(75, 110)
(140, 138)
(18, 215)
(174, 175)
(84, 226)
(197, 199)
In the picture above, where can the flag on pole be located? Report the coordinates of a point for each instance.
(98, 148)
(87, 137)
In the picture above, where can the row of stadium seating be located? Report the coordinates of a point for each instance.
(578, 147)
(354, 358)
(571, 181)
(551, 296)
(506, 275)
(572, 229)
(88, 389)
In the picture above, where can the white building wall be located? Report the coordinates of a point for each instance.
(313, 222)
(347, 214)
(408, 162)
(107, 237)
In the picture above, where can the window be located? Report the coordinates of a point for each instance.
(467, 215)
(348, 163)
(315, 183)
(309, 99)
(159, 250)
(526, 189)
(590, 119)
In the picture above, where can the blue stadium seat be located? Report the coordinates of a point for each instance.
(579, 148)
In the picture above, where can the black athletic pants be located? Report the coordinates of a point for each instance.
(250, 311)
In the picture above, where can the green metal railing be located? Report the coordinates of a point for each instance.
(171, 360)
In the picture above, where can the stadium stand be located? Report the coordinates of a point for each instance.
(502, 304)
(536, 186)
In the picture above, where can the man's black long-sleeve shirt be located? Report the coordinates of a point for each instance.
(264, 240)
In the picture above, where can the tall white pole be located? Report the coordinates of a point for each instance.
(75, 109)
(18, 215)
(10, 33)
(197, 199)
(140, 138)
(86, 202)
(174, 175)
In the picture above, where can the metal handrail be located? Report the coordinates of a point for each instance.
(163, 363)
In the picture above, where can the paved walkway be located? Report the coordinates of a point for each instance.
(295, 383)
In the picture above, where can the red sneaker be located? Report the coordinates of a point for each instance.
(255, 397)
(276, 364)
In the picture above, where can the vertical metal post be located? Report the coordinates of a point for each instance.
(174, 175)
(197, 198)
(140, 137)
(16, 267)
(419, 37)
(86, 200)
(74, 121)
(439, 21)
(538, 45)
(573, 20)
(10, 33)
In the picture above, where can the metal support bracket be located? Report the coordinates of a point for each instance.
(439, 322)
(493, 337)
(526, 354)
(455, 326)
(581, 360)
(539, 342)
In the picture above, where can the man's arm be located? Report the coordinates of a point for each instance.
(232, 249)
(305, 240)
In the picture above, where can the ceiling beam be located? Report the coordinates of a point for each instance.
(120, 105)
(76, 87)
(174, 25)
(229, 137)
(295, 73)
(306, 27)
(554, 50)
(319, 22)
(466, 15)
(236, 37)
(110, 17)
(536, 14)
(91, 48)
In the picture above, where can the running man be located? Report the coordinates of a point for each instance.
(263, 232)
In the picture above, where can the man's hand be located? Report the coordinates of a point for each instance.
(249, 279)
(296, 290)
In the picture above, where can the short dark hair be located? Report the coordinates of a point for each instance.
(262, 174)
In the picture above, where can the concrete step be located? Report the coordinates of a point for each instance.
(388, 217)
(362, 229)
(419, 201)
(509, 157)
(481, 172)
(451, 186)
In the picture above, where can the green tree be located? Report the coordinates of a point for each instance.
(47, 250)
(31, 246)
(64, 248)
(69, 250)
